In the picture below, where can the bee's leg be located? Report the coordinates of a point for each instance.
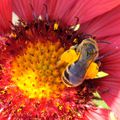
(102, 41)
(104, 91)
(104, 55)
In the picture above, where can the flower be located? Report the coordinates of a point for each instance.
(30, 82)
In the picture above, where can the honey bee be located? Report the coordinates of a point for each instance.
(74, 73)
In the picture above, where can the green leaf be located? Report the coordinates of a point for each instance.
(97, 100)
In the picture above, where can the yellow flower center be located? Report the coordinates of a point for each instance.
(35, 71)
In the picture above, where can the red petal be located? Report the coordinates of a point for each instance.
(59, 8)
(111, 96)
(67, 10)
(27, 9)
(98, 114)
(109, 87)
(110, 92)
(105, 25)
(113, 47)
(89, 9)
(5, 15)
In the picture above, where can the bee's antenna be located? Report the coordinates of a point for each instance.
(105, 55)
(101, 41)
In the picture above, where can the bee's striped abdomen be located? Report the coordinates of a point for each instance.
(73, 74)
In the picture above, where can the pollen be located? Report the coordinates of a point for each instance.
(69, 56)
(92, 71)
(35, 71)
(56, 26)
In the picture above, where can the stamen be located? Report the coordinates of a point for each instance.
(76, 27)
(56, 26)
(15, 19)
(32, 79)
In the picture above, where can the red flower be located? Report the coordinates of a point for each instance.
(30, 83)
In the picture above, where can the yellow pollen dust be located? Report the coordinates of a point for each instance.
(35, 71)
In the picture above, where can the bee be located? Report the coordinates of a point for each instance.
(74, 73)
